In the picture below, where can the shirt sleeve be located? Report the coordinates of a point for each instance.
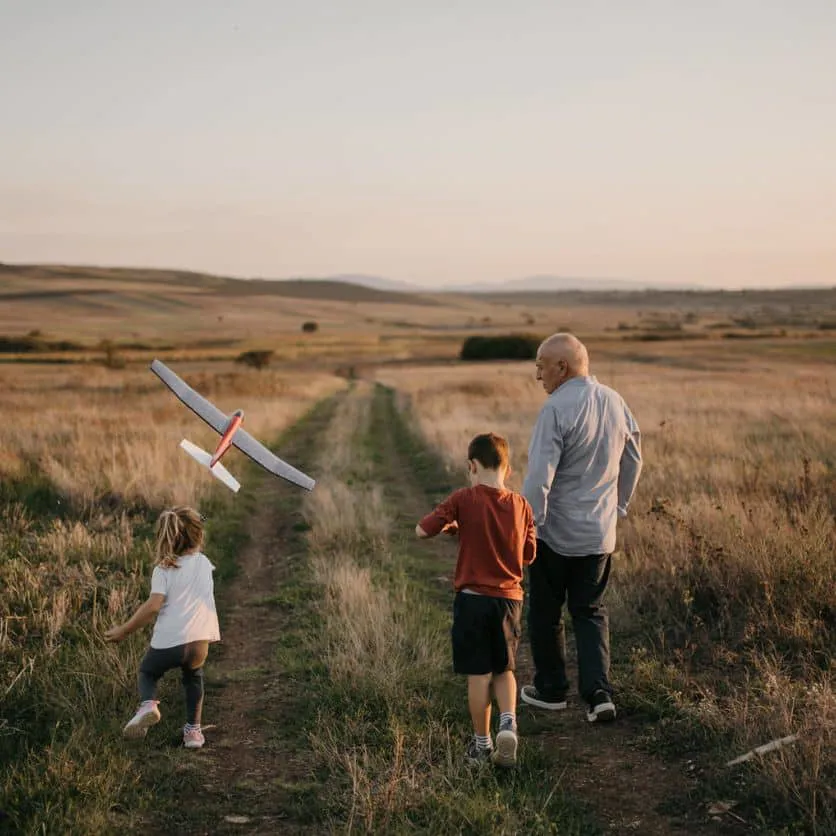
(530, 545)
(443, 514)
(630, 466)
(159, 581)
(544, 454)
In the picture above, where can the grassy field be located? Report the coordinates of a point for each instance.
(89, 460)
(723, 602)
(83, 314)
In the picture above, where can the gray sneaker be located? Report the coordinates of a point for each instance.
(505, 754)
(477, 754)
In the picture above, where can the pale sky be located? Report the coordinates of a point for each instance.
(435, 142)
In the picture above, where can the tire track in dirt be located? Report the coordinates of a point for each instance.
(257, 772)
(625, 789)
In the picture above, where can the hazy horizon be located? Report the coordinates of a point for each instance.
(434, 145)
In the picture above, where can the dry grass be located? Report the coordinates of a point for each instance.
(724, 584)
(371, 637)
(95, 433)
(89, 455)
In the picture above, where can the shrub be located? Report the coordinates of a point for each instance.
(256, 359)
(500, 347)
(112, 358)
(310, 326)
(34, 341)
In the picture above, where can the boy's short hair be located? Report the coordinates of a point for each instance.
(490, 450)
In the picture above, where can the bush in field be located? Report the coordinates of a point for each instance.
(500, 347)
(310, 327)
(34, 341)
(112, 358)
(255, 359)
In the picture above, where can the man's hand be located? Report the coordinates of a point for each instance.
(451, 529)
(115, 634)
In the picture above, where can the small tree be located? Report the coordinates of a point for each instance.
(256, 359)
(310, 327)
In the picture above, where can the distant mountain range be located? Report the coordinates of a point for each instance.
(529, 284)
(379, 283)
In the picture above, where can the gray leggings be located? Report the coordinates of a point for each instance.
(189, 658)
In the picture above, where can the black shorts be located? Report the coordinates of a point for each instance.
(486, 632)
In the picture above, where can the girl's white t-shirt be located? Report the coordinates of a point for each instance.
(188, 613)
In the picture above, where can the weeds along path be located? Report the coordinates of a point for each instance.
(624, 790)
(391, 721)
(255, 767)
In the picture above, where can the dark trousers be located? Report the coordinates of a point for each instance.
(553, 579)
(189, 658)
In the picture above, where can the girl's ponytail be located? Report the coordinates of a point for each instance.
(179, 532)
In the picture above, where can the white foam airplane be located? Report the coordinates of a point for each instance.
(229, 428)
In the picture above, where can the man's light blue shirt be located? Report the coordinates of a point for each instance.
(584, 462)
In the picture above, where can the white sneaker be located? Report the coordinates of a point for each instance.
(146, 716)
(505, 753)
(193, 738)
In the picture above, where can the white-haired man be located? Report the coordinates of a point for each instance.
(584, 462)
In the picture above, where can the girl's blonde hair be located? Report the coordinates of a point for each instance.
(179, 531)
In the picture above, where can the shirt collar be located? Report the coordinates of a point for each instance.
(583, 380)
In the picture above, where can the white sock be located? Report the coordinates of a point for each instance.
(192, 727)
(508, 717)
(483, 742)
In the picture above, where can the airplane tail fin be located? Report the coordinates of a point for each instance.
(218, 471)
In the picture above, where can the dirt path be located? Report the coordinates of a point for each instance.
(627, 790)
(255, 770)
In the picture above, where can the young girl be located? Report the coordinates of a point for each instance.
(182, 601)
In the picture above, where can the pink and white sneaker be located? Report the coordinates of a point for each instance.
(193, 738)
(146, 716)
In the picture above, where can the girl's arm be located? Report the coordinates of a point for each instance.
(145, 614)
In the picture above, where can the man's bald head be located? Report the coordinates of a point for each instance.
(569, 348)
(559, 358)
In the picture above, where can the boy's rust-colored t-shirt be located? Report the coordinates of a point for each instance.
(497, 537)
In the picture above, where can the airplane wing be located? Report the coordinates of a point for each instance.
(196, 403)
(269, 461)
(218, 421)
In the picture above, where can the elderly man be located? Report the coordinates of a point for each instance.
(584, 462)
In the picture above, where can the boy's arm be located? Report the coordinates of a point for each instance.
(146, 613)
(530, 546)
(442, 518)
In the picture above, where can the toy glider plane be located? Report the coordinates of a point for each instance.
(229, 428)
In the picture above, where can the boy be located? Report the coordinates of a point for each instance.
(497, 538)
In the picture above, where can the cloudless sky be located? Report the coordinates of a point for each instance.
(437, 142)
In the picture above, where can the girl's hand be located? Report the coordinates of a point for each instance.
(114, 634)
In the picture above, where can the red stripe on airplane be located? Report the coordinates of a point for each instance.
(226, 439)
